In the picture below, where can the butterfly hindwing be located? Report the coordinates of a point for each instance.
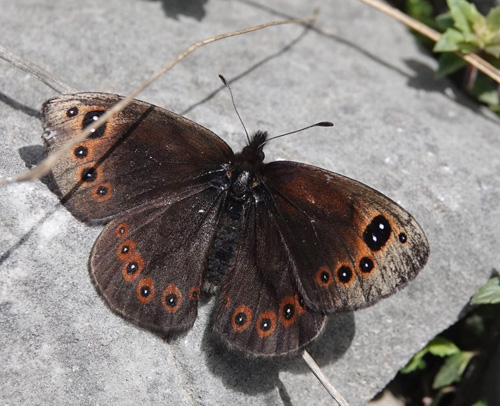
(148, 264)
(141, 154)
(350, 245)
(259, 309)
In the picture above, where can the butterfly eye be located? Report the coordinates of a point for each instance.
(241, 319)
(72, 112)
(145, 290)
(133, 267)
(366, 265)
(377, 233)
(344, 275)
(323, 277)
(288, 313)
(88, 175)
(122, 230)
(103, 192)
(125, 249)
(194, 293)
(226, 302)
(171, 299)
(90, 118)
(266, 324)
(81, 152)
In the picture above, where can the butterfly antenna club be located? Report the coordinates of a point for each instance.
(320, 124)
(234, 104)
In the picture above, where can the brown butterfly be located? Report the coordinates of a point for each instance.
(283, 244)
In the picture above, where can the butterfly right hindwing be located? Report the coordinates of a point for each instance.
(259, 308)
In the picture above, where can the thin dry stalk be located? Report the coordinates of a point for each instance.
(423, 29)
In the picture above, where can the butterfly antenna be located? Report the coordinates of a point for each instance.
(234, 104)
(321, 124)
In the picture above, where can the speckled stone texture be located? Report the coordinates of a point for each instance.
(397, 129)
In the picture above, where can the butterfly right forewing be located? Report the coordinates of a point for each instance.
(350, 245)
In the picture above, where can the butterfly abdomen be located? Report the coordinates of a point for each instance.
(241, 192)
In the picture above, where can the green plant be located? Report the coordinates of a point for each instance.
(453, 367)
(465, 30)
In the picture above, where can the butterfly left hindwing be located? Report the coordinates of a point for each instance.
(148, 264)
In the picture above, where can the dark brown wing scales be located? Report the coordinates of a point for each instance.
(350, 245)
(259, 309)
(141, 154)
(148, 264)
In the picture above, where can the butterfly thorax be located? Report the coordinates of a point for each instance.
(243, 189)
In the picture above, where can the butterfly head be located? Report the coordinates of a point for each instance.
(253, 155)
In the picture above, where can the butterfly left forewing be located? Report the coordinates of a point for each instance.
(259, 309)
(148, 264)
(350, 245)
(141, 154)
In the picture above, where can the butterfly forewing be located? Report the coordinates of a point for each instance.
(141, 154)
(259, 309)
(350, 245)
(148, 264)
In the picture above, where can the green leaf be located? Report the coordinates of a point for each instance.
(449, 41)
(473, 39)
(493, 19)
(421, 10)
(490, 292)
(444, 21)
(452, 369)
(442, 347)
(493, 50)
(459, 17)
(417, 362)
(449, 63)
(438, 346)
(481, 403)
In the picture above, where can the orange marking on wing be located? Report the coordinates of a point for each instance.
(171, 298)
(226, 302)
(122, 230)
(301, 307)
(241, 318)
(288, 303)
(344, 275)
(266, 324)
(194, 293)
(125, 249)
(103, 192)
(323, 277)
(145, 290)
(132, 268)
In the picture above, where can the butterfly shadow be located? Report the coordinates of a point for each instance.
(176, 8)
(257, 375)
(19, 106)
(425, 79)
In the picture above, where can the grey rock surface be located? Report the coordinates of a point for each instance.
(397, 129)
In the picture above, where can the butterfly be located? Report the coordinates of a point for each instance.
(282, 244)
